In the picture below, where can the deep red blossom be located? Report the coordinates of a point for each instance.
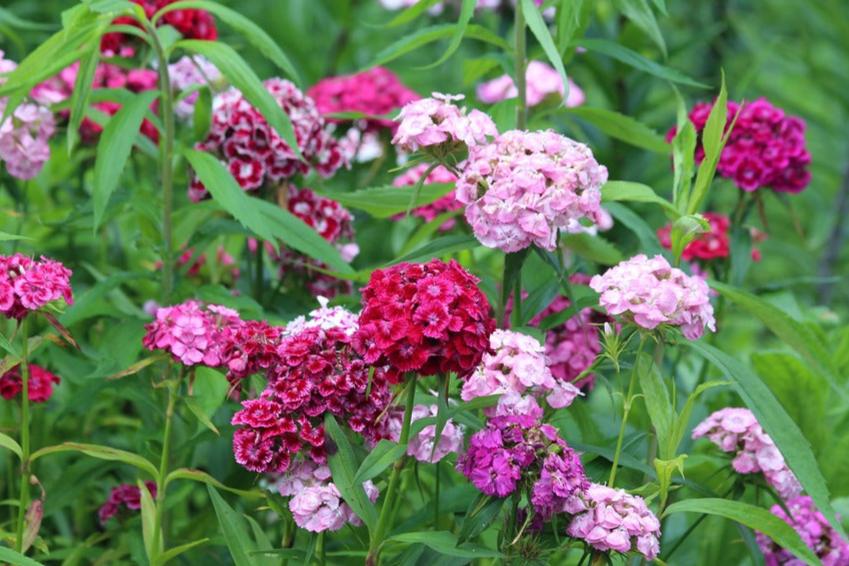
(27, 285)
(424, 318)
(39, 385)
(249, 347)
(715, 244)
(191, 23)
(125, 495)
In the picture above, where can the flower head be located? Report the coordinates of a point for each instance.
(125, 495)
(421, 446)
(437, 122)
(27, 285)
(541, 81)
(39, 385)
(191, 332)
(814, 530)
(188, 72)
(189, 22)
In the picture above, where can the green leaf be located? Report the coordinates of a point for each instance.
(343, 467)
(659, 405)
(778, 425)
(233, 528)
(615, 191)
(713, 141)
(203, 477)
(478, 518)
(113, 149)
(209, 392)
(683, 154)
(7, 345)
(593, 248)
(7, 555)
(753, 517)
(240, 74)
(411, 13)
(6, 237)
(246, 29)
(568, 21)
(383, 455)
(383, 202)
(148, 520)
(201, 416)
(10, 443)
(637, 61)
(538, 27)
(202, 117)
(172, 553)
(81, 94)
(445, 543)
(685, 229)
(622, 127)
(428, 229)
(467, 10)
(647, 237)
(444, 245)
(682, 420)
(430, 34)
(101, 452)
(7, 17)
(639, 12)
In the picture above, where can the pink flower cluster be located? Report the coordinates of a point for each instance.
(191, 332)
(421, 446)
(766, 148)
(736, 430)
(316, 503)
(325, 318)
(541, 80)
(374, 92)
(26, 284)
(254, 152)
(425, 318)
(439, 125)
(334, 223)
(126, 495)
(316, 371)
(39, 385)
(187, 73)
(24, 135)
(445, 203)
(524, 186)
(650, 292)
(517, 364)
(519, 450)
(815, 531)
(612, 519)
(191, 23)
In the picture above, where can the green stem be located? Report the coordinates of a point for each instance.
(521, 98)
(516, 315)
(319, 549)
(23, 500)
(389, 502)
(629, 398)
(436, 498)
(258, 272)
(159, 518)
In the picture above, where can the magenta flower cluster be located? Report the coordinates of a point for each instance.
(125, 495)
(649, 292)
(191, 332)
(541, 81)
(39, 385)
(815, 531)
(316, 503)
(445, 203)
(523, 187)
(612, 519)
(27, 285)
(517, 365)
(439, 125)
(737, 431)
(421, 445)
(252, 149)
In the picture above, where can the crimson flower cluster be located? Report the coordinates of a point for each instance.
(39, 385)
(715, 244)
(27, 285)
(191, 23)
(425, 318)
(248, 347)
(125, 495)
(254, 152)
(375, 92)
(766, 148)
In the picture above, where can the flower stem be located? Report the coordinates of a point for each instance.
(391, 491)
(23, 500)
(521, 98)
(629, 399)
(159, 518)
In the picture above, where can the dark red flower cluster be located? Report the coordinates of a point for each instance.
(334, 223)
(191, 23)
(424, 318)
(126, 495)
(249, 347)
(192, 263)
(765, 149)
(375, 92)
(715, 244)
(254, 152)
(27, 284)
(317, 371)
(106, 75)
(39, 385)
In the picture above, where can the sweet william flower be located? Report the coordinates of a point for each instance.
(126, 496)
(541, 81)
(814, 530)
(437, 124)
(27, 285)
(39, 386)
(191, 332)
(421, 446)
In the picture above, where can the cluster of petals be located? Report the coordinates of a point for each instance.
(650, 292)
(443, 204)
(252, 149)
(438, 124)
(425, 318)
(611, 519)
(39, 385)
(27, 284)
(737, 431)
(541, 81)
(814, 530)
(516, 450)
(517, 364)
(25, 135)
(189, 73)
(316, 372)
(191, 23)
(316, 503)
(714, 244)
(766, 148)
(325, 318)
(106, 76)
(421, 446)
(375, 93)
(523, 187)
(191, 332)
(125, 495)
(248, 347)
(331, 221)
